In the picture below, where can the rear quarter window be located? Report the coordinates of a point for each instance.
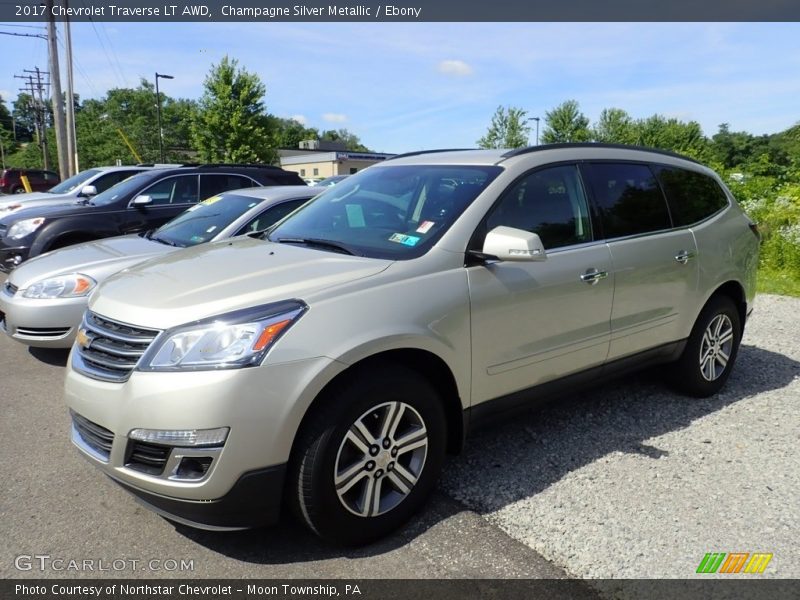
(692, 196)
(627, 197)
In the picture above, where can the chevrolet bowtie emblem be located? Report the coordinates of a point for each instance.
(83, 339)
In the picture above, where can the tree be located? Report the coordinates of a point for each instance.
(566, 123)
(671, 134)
(508, 129)
(350, 140)
(231, 124)
(615, 126)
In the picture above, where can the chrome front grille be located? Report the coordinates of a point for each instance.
(93, 438)
(109, 350)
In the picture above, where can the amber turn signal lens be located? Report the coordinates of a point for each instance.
(269, 334)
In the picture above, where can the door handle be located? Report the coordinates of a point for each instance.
(683, 256)
(592, 276)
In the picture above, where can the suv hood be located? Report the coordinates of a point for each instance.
(31, 200)
(96, 259)
(220, 277)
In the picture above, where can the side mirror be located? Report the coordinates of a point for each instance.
(508, 243)
(88, 191)
(142, 201)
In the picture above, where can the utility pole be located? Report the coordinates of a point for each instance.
(36, 91)
(57, 98)
(72, 140)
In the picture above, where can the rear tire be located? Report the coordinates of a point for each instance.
(368, 460)
(710, 353)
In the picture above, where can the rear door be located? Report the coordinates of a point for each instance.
(533, 322)
(655, 266)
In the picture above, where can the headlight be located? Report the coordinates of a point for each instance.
(20, 229)
(64, 286)
(230, 341)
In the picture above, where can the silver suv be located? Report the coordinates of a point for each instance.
(330, 363)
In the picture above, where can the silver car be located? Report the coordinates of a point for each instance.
(332, 362)
(83, 185)
(42, 302)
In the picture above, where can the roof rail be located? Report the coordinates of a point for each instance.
(530, 149)
(418, 152)
(237, 165)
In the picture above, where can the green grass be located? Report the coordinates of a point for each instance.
(778, 282)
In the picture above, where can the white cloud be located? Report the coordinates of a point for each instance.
(457, 68)
(7, 96)
(299, 118)
(334, 117)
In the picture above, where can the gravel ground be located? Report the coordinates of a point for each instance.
(634, 481)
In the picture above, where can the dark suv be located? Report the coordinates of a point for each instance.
(139, 203)
(41, 181)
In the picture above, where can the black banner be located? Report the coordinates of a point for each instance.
(378, 589)
(265, 11)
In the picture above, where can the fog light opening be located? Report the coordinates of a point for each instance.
(193, 467)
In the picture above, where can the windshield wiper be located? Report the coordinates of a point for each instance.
(319, 243)
(163, 241)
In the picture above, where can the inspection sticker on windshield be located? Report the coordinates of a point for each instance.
(425, 226)
(211, 200)
(406, 240)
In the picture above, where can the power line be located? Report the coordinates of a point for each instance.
(31, 35)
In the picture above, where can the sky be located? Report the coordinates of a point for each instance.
(409, 86)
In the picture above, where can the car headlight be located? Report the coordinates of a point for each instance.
(229, 341)
(23, 228)
(63, 286)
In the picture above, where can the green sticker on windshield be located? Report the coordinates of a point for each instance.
(406, 240)
(355, 215)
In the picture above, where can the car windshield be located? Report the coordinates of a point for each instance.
(202, 222)
(73, 182)
(124, 187)
(395, 212)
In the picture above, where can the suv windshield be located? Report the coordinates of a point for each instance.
(386, 212)
(123, 187)
(73, 182)
(204, 221)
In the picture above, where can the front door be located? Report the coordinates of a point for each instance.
(533, 322)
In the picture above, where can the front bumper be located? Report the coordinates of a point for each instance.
(41, 323)
(261, 406)
(11, 257)
(255, 499)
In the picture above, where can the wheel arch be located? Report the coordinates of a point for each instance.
(424, 362)
(734, 290)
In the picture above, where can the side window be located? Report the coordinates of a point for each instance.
(211, 185)
(173, 190)
(104, 182)
(270, 216)
(549, 202)
(692, 196)
(628, 199)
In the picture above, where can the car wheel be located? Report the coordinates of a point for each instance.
(19, 190)
(368, 460)
(711, 350)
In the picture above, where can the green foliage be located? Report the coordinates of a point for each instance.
(508, 129)
(350, 140)
(29, 155)
(566, 123)
(615, 126)
(231, 124)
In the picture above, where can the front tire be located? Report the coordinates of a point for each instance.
(710, 353)
(368, 460)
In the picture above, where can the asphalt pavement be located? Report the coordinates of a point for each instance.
(629, 480)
